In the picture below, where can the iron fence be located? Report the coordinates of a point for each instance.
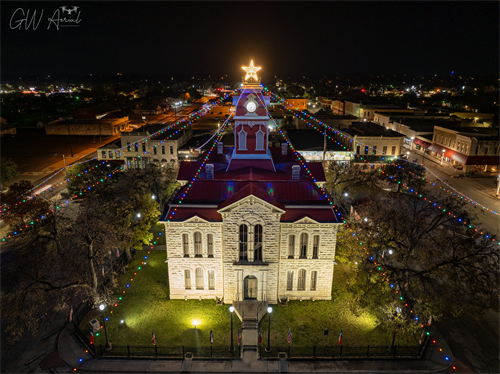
(209, 352)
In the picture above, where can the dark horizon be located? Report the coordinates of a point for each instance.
(295, 38)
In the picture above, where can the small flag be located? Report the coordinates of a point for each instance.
(340, 336)
(117, 252)
(289, 337)
(239, 337)
(260, 336)
(211, 337)
(91, 336)
(71, 314)
(102, 270)
(383, 253)
(153, 338)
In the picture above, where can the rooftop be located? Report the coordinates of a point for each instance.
(312, 140)
(371, 129)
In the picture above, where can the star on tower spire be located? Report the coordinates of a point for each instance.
(251, 71)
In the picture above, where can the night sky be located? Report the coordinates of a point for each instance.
(282, 37)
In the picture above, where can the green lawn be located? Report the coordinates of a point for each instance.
(145, 306)
(158, 231)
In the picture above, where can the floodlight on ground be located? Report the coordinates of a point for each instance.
(195, 323)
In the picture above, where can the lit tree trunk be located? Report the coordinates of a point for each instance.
(93, 271)
(128, 254)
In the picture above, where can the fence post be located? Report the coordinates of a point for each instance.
(394, 354)
(367, 350)
(128, 350)
(156, 351)
(288, 351)
(314, 351)
(183, 352)
(211, 352)
(340, 355)
(260, 351)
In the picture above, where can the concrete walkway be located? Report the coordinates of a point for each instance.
(72, 350)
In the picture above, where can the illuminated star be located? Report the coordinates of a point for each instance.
(251, 71)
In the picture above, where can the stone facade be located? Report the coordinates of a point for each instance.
(271, 273)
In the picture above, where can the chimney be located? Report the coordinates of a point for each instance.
(209, 168)
(220, 148)
(284, 149)
(295, 172)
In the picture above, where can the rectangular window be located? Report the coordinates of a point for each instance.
(486, 149)
(103, 154)
(375, 150)
(162, 149)
(458, 146)
(357, 150)
(291, 246)
(128, 146)
(304, 238)
(110, 154)
(211, 280)
(315, 246)
(144, 147)
(171, 149)
(366, 150)
(154, 149)
(314, 280)
(289, 281)
(496, 152)
(466, 148)
(210, 245)
(393, 151)
(197, 244)
(301, 286)
(185, 244)
(400, 149)
(199, 278)
(187, 279)
(136, 147)
(477, 150)
(243, 242)
(384, 150)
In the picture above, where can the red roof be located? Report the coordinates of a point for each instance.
(319, 215)
(241, 164)
(251, 189)
(182, 214)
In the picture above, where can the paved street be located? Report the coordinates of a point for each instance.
(479, 189)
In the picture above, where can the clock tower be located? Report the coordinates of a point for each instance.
(251, 130)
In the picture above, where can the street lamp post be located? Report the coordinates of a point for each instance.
(108, 344)
(231, 309)
(268, 348)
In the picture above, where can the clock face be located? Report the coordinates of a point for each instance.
(251, 107)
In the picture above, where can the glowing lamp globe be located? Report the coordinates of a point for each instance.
(269, 309)
(231, 308)
(101, 307)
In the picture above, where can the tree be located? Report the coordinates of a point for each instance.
(8, 170)
(401, 173)
(20, 205)
(194, 94)
(94, 174)
(424, 252)
(60, 257)
(351, 179)
(294, 91)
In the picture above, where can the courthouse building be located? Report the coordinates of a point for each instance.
(251, 223)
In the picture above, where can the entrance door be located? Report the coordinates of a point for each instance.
(250, 284)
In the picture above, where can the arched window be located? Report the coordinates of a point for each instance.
(257, 243)
(187, 279)
(289, 280)
(303, 245)
(185, 244)
(301, 286)
(314, 280)
(291, 246)
(315, 246)
(197, 244)
(199, 278)
(242, 140)
(211, 280)
(243, 242)
(259, 140)
(210, 245)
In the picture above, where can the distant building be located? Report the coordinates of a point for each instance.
(143, 108)
(373, 142)
(466, 148)
(99, 120)
(301, 104)
(366, 110)
(161, 149)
